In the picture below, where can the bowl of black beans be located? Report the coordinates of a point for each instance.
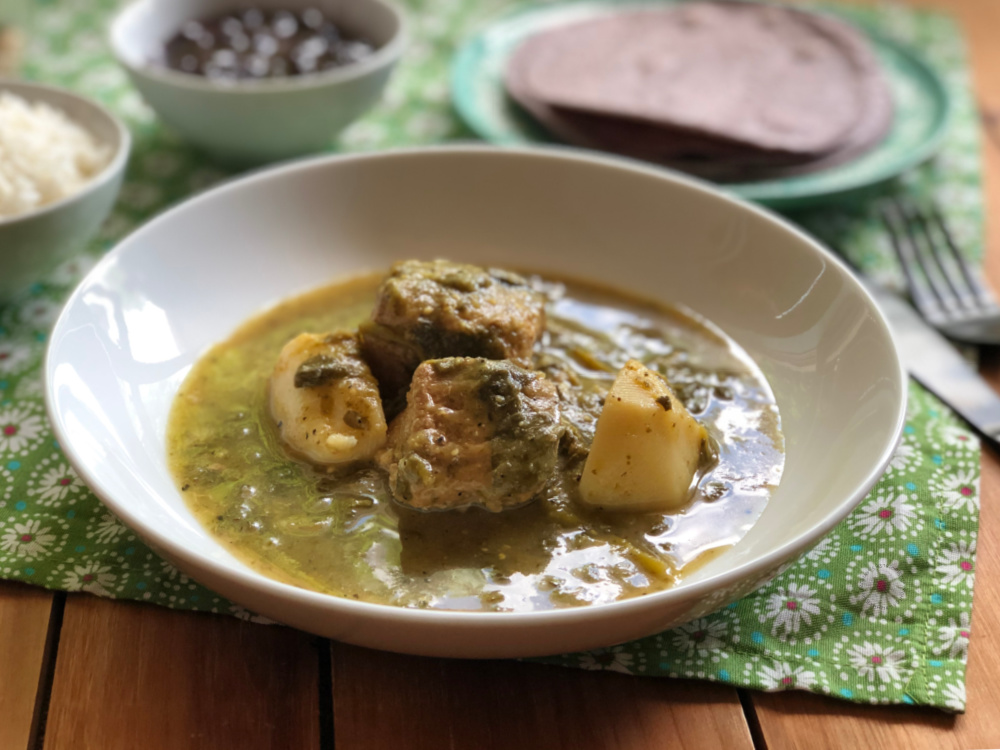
(250, 84)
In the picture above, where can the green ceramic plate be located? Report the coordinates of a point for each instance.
(922, 107)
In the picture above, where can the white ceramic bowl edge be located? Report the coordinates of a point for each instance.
(33, 243)
(254, 122)
(790, 303)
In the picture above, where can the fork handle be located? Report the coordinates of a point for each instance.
(932, 360)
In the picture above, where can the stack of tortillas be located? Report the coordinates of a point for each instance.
(726, 90)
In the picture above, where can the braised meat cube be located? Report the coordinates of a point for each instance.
(474, 432)
(579, 407)
(437, 309)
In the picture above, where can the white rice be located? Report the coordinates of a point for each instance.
(44, 156)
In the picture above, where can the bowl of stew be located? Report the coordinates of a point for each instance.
(252, 82)
(475, 403)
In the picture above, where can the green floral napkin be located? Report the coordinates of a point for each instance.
(878, 612)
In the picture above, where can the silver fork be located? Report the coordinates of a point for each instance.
(945, 289)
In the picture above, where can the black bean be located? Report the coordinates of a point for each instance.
(263, 44)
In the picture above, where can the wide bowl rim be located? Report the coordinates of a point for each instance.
(386, 55)
(114, 166)
(246, 578)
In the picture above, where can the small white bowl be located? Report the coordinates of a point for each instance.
(130, 333)
(35, 242)
(254, 122)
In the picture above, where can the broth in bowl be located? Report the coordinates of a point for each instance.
(482, 440)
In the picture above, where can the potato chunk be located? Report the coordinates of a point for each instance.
(646, 448)
(326, 401)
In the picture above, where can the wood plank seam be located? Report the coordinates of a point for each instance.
(752, 720)
(25, 637)
(325, 691)
(132, 675)
(42, 697)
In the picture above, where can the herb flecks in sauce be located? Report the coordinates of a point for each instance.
(474, 432)
(323, 369)
(336, 529)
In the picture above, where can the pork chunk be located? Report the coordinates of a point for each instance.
(474, 432)
(436, 309)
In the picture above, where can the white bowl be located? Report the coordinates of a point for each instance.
(130, 333)
(253, 122)
(35, 242)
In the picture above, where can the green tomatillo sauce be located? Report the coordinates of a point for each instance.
(340, 532)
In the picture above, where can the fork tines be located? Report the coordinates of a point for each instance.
(942, 284)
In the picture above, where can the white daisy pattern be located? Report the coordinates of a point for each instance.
(28, 540)
(6, 486)
(109, 528)
(614, 659)
(826, 546)
(782, 676)
(15, 357)
(21, 428)
(789, 607)
(57, 484)
(906, 458)
(39, 314)
(171, 573)
(953, 638)
(875, 662)
(700, 636)
(954, 696)
(883, 515)
(30, 388)
(91, 577)
(956, 436)
(882, 588)
(958, 564)
(958, 490)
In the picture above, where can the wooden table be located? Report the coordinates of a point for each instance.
(82, 672)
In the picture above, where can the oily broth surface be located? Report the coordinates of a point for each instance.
(339, 532)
